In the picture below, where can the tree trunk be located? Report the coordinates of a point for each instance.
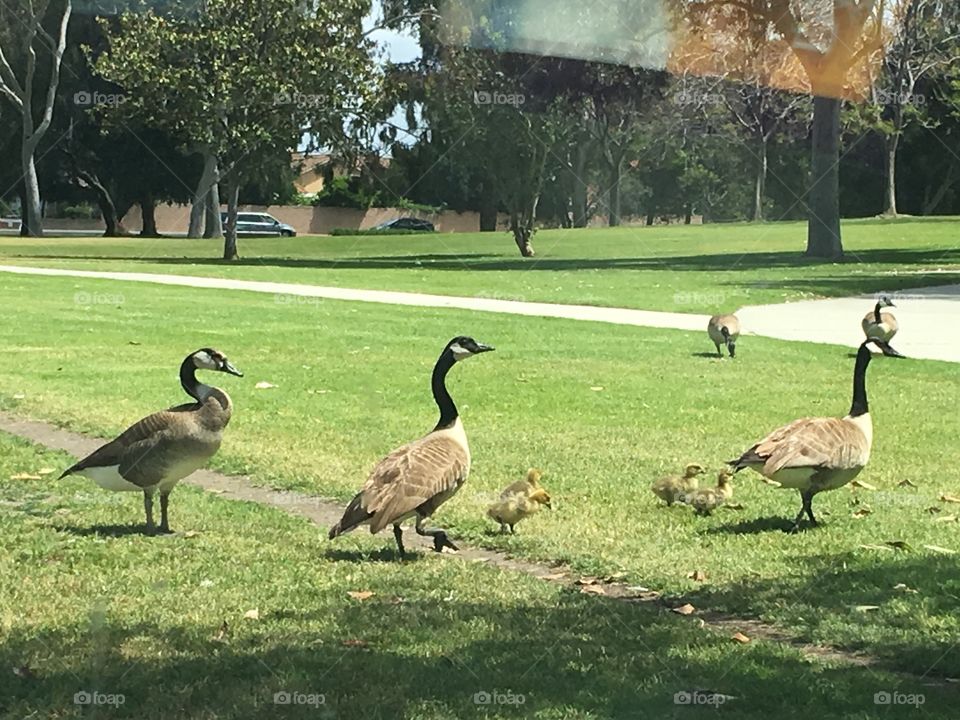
(823, 230)
(580, 218)
(650, 217)
(522, 233)
(209, 178)
(688, 216)
(891, 144)
(108, 210)
(148, 214)
(230, 236)
(931, 202)
(616, 175)
(760, 187)
(213, 221)
(488, 217)
(31, 214)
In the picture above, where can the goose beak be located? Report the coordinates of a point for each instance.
(229, 368)
(887, 349)
(484, 348)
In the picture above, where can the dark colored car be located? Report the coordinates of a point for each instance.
(249, 223)
(407, 223)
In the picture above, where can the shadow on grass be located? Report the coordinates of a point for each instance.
(904, 605)
(581, 657)
(726, 262)
(757, 526)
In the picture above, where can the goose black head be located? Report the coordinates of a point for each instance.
(464, 347)
(210, 359)
(885, 301)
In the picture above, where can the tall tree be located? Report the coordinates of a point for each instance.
(26, 39)
(241, 83)
(828, 38)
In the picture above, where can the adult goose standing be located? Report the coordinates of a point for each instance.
(819, 453)
(882, 326)
(417, 478)
(724, 330)
(157, 452)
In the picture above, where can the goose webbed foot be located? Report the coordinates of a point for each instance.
(805, 509)
(398, 536)
(440, 539)
(151, 528)
(164, 523)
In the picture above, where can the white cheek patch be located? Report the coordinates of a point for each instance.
(459, 352)
(203, 360)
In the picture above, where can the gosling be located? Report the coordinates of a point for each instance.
(519, 501)
(705, 501)
(673, 489)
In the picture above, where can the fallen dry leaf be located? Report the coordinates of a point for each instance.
(686, 609)
(862, 484)
(45, 471)
(732, 506)
(866, 608)
(946, 518)
(597, 388)
(697, 576)
(133, 342)
(906, 483)
(190, 533)
(614, 577)
(360, 595)
(639, 589)
(593, 589)
(586, 581)
(25, 476)
(252, 614)
(949, 498)
(862, 512)
(933, 509)
(264, 385)
(354, 643)
(938, 549)
(902, 587)
(740, 638)
(647, 595)
(554, 576)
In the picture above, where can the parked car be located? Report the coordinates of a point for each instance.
(260, 224)
(406, 223)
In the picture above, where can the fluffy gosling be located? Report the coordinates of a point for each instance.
(520, 500)
(672, 489)
(705, 501)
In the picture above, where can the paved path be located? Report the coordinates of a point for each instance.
(928, 317)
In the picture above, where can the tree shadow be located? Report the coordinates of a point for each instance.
(576, 658)
(757, 526)
(109, 531)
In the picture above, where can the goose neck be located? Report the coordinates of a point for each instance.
(860, 405)
(448, 410)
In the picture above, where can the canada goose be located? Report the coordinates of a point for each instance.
(418, 477)
(672, 489)
(882, 326)
(816, 454)
(155, 453)
(724, 330)
(706, 500)
(519, 500)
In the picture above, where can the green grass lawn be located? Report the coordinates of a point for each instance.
(697, 269)
(602, 409)
(160, 627)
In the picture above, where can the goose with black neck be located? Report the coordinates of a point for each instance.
(815, 454)
(417, 478)
(157, 452)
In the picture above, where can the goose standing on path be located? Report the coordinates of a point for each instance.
(415, 479)
(157, 452)
(724, 330)
(820, 453)
(882, 326)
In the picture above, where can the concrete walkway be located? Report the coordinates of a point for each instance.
(927, 316)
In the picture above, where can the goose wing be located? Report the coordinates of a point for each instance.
(822, 443)
(432, 468)
(139, 452)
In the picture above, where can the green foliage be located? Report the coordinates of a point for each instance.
(80, 212)
(346, 192)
